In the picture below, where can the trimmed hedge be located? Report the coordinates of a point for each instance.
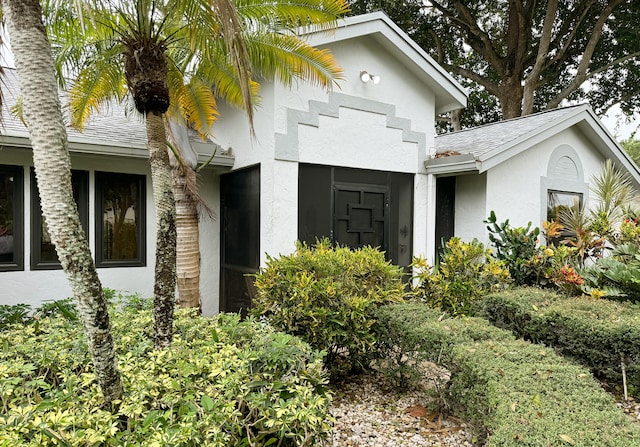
(515, 393)
(597, 333)
(223, 382)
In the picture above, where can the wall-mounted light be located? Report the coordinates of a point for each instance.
(365, 76)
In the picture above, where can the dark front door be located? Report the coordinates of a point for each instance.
(445, 212)
(357, 207)
(360, 216)
(239, 237)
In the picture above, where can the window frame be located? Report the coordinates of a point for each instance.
(36, 218)
(18, 218)
(141, 225)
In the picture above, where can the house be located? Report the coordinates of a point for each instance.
(360, 164)
(520, 168)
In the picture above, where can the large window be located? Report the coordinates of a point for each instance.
(43, 252)
(120, 220)
(11, 210)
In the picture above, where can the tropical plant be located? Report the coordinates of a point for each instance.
(328, 296)
(43, 116)
(183, 53)
(198, 50)
(596, 230)
(515, 246)
(466, 272)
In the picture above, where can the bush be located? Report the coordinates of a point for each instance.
(465, 273)
(516, 393)
(514, 246)
(408, 337)
(328, 297)
(599, 334)
(222, 382)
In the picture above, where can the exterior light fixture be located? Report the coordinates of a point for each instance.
(365, 77)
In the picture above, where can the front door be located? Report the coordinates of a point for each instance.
(239, 237)
(360, 215)
(357, 207)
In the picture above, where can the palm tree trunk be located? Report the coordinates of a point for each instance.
(42, 112)
(187, 227)
(164, 288)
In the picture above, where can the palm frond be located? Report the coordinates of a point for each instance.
(197, 105)
(93, 88)
(221, 76)
(291, 15)
(613, 188)
(288, 58)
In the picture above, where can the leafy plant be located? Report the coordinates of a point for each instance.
(13, 314)
(514, 246)
(328, 297)
(618, 275)
(223, 382)
(466, 272)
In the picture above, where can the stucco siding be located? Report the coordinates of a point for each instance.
(516, 189)
(470, 207)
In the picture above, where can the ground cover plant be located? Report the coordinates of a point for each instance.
(328, 297)
(516, 393)
(223, 382)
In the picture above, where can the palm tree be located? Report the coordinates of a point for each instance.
(187, 53)
(43, 116)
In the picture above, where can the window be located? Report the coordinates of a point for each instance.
(43, 252)
(557, 201)
(120, 220)
(11, 225)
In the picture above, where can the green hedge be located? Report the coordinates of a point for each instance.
(516, 393)
(597, 333)
(222, 383)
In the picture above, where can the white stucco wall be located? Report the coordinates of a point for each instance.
(387, 127)
(470, 207)
(515, 189)
(209, 233)
(34, 286)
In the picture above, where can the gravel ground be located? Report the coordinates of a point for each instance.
(368, 414)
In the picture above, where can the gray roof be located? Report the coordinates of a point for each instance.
(480, 148)
(116, 130)
(112, 127)
(482, 139)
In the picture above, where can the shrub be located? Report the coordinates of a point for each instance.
(516, 393)
(406, 342)
(465, 273)
(599, 334)
(222, 382)
(328, 297)
(514, 246)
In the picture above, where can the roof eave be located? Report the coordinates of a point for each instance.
(453, 164)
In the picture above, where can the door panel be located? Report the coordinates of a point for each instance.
(239, 238)
(357, 207)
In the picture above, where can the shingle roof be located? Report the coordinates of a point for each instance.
(112, 127)
(116, 130)
(482, 139)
